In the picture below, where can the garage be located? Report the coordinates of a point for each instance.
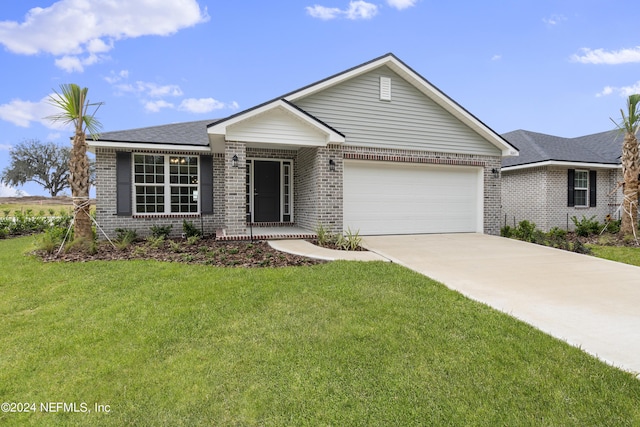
(412, 198)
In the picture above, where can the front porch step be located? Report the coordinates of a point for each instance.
(268, 233)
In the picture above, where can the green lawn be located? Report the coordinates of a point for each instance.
(625, 254)
(341, 344)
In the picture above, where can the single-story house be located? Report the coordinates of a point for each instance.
(554, 179)
(375, 149)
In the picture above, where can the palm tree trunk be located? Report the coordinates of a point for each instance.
(630, 170)
(79, 182)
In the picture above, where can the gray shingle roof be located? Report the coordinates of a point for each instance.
(187, 133)
(603, 147)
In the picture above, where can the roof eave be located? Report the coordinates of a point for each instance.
(562, 163)
(133, 146)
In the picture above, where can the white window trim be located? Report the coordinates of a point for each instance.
(585, 189)
(166, 186)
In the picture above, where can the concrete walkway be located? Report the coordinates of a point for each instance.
(304, 248)
(586, 301)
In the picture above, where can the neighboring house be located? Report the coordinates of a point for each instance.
(376, 148)
(554, 178)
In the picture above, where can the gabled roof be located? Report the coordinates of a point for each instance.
(401, 69)
(208, 133)
(536, 149)
(293, 113)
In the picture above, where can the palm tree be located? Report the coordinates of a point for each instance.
(73, 107)
(630, 160)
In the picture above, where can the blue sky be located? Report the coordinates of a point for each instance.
(557, 67)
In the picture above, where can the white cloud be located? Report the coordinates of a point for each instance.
(152, 95)
(496, 57)
(600, 56)
(554, 19)
(401, 4)
(149, 89)
(358, 9)
(6, 147)
(361, 10)
(324, 13)
(85, 30)
(6, 191)
(156, 106)
(623, 91)
(156, 91)
(205, 105)
(114, 77)
(23, 113)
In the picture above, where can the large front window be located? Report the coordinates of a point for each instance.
(165, 184)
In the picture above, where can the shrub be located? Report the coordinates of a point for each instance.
(557, 238)
(580, 248)
(190, 230)
(156, 242)
(613, 226)
(586, 226)
(125, 237)
(161, 231)
(525, 231)
(350, 241)
(324, 237)
(507, 231)
(192, 240)
(51, 239)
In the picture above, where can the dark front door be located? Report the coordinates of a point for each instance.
(266, 194)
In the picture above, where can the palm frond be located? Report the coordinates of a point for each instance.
(73, 106)
(630, 122)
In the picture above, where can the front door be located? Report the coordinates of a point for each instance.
(266, 191)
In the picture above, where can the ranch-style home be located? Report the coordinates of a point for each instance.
(554, 179)
(375, 149)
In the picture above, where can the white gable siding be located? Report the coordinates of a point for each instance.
(276, 126)
(409, 121)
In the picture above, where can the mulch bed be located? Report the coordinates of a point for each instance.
(206, 251)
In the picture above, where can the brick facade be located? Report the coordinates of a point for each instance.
(539, 195)
(317, 190)
(106, 208)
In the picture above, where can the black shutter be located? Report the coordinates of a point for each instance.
(593, 183)
(123, 183)
(571, 181)
(206, 184)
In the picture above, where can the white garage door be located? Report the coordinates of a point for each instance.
(392, 198)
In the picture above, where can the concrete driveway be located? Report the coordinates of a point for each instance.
(588, 302)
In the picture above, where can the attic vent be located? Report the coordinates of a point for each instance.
(385, 88)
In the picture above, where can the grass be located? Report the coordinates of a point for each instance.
(342, 343)
(625, 254)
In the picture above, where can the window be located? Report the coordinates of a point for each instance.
(165, 184)
(581, 187)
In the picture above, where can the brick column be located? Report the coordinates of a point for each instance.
(234, 188)
(329, 188)
(492, 196)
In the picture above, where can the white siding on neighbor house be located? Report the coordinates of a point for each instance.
(276, 126)
(410, 120)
